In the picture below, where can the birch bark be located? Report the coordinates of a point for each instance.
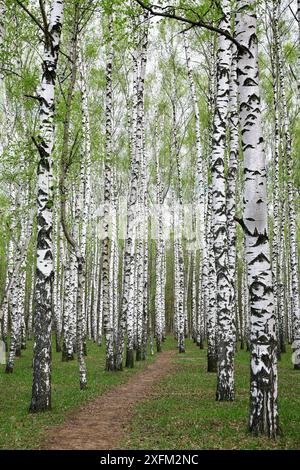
(41, 387)
(209, 285)
(108, 327)
(263, 418)
(179, 272)
(225, 318)
(276, 152)
(159, 307)
(231, 183)
(85, 178)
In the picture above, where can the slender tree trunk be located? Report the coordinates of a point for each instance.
(108, 327)
(263, 418)
(159, 307)
(14, 316)
(225, 370)
(208, 268)
(179, 272)
(194, 298)
(57, 276)
(67, 349)
(30, 303)
(146, 283)
(41, 388)
(142, 264)
(276, 207)
(85, 181)
(231, 186)
(114, 266)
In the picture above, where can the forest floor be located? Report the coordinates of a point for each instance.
(167, 402)
(108, 414)
(20, 429)
(182, 412)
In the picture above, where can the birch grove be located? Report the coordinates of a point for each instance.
(150, 188)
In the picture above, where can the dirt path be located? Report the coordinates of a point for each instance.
(101, 423)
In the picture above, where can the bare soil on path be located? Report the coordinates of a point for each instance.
(101, 424)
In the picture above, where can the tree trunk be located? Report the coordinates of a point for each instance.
(263, 417)
(225, 318)
(275, 252)
(179, 273)
(231, 188)
(41, 388)
(108, 327)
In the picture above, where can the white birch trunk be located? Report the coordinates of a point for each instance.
(108, 327)
(67, 350)
(30, 304)
(231, 185)
(159, 307)
(208, 267)
(225, 314)
(146, 280)
(41, 388)
(263, 418)
(276, 152)
(179, 272)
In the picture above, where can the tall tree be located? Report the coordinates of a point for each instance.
(263, 418)
(41, 388)
(108, 327)
(225, 372)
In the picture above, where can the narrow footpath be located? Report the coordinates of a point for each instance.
(101, 424)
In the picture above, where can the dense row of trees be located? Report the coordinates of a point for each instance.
(149, 185)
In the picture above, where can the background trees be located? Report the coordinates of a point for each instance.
(164, 158)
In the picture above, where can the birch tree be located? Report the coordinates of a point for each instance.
(108, 327)
(225, 372)
(263, 418)
(41, 388)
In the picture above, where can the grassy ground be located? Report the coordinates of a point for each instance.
(22, 430)
(183, 413)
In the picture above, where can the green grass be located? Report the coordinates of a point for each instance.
(22, 430)
(183, 413)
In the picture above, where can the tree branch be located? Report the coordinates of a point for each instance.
(35, 143)
(243, 225)
(36, 21)
(33, 97)
(45, 22)
(65, 55)
(201, 24)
